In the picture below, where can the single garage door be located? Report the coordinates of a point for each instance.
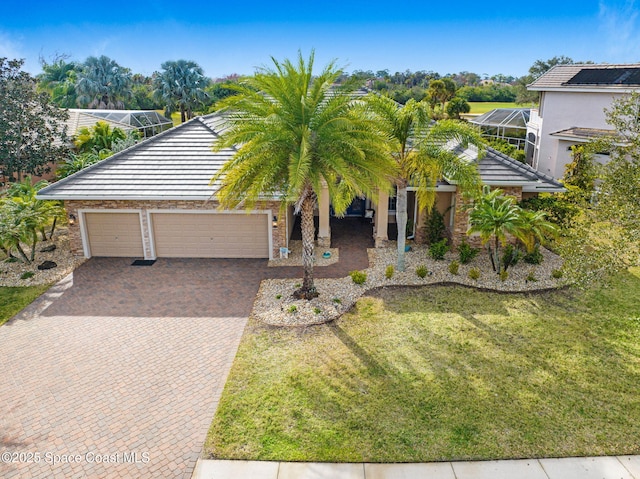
(211, 235)
(114, 234)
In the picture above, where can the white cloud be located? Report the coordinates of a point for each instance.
(619, 25)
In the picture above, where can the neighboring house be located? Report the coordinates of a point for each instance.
(573, 99)
(147, 122)
(154, 200)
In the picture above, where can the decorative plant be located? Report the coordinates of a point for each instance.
(439, 249)
(422, 271)
(358, 277)
(474, 274)
(453, 267)
(466, 252)
(388, 273)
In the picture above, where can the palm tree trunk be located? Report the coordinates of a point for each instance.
(53, 226)
(34, 242)
(23, 255)
(308, 290)
(401, 221)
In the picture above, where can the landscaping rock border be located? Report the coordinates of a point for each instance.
(275, 305)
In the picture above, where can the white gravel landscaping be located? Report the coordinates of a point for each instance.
(275, 305)
(11, 273)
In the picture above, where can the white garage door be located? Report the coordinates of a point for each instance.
(114, 234)
(210, 235)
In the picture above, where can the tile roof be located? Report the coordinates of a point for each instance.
(560, 76)
(498, 169)
(176, 164)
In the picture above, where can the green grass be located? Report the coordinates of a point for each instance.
(485, 106)
(441, 373)
(13, 300)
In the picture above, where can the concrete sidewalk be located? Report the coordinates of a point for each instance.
(612, 467)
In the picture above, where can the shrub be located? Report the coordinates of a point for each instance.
(297, 285)
(439, 249)
(504, 275)
(278, 296)
(531, 277)
(435, 227)
(474, 274)
(422, 271)
(511, 256)
(358, 277)
(453, 267)
(293, 308)
(337, 300)
(317, 310)
(557, 274)
(466, 252)
(535, 257)
(27, 275)
(388, 273)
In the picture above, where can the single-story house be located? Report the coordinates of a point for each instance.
(154, 200)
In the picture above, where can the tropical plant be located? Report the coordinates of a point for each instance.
(533, 228)
(180, 87)
(494, 216)
(75, 163)
(294, 136)
(102, 83)
(32, 129)
(98, 137)
(22, 216)
(419, 148)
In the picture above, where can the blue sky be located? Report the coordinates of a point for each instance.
(485, 37)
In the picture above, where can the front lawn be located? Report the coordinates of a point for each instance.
(441, 373)
(13, 300)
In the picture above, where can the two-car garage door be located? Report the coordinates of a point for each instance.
(179, 235)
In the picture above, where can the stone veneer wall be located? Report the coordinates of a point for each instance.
(279, 233)
(461, 219)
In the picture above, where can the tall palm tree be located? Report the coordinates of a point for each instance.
(419, 148)
(295, 135)
(102, 83)
(180, 87)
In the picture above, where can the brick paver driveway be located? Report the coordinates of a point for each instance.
(120, 374)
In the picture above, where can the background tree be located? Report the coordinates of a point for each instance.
(456, 106)
(104, 84)
(419, 150)
(181, 87)
(32, 129)
(98, 137)
(58, 78)
(605, 235)
(535, 71)
(294, 135)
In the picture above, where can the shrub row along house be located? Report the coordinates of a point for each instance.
(154, 200)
